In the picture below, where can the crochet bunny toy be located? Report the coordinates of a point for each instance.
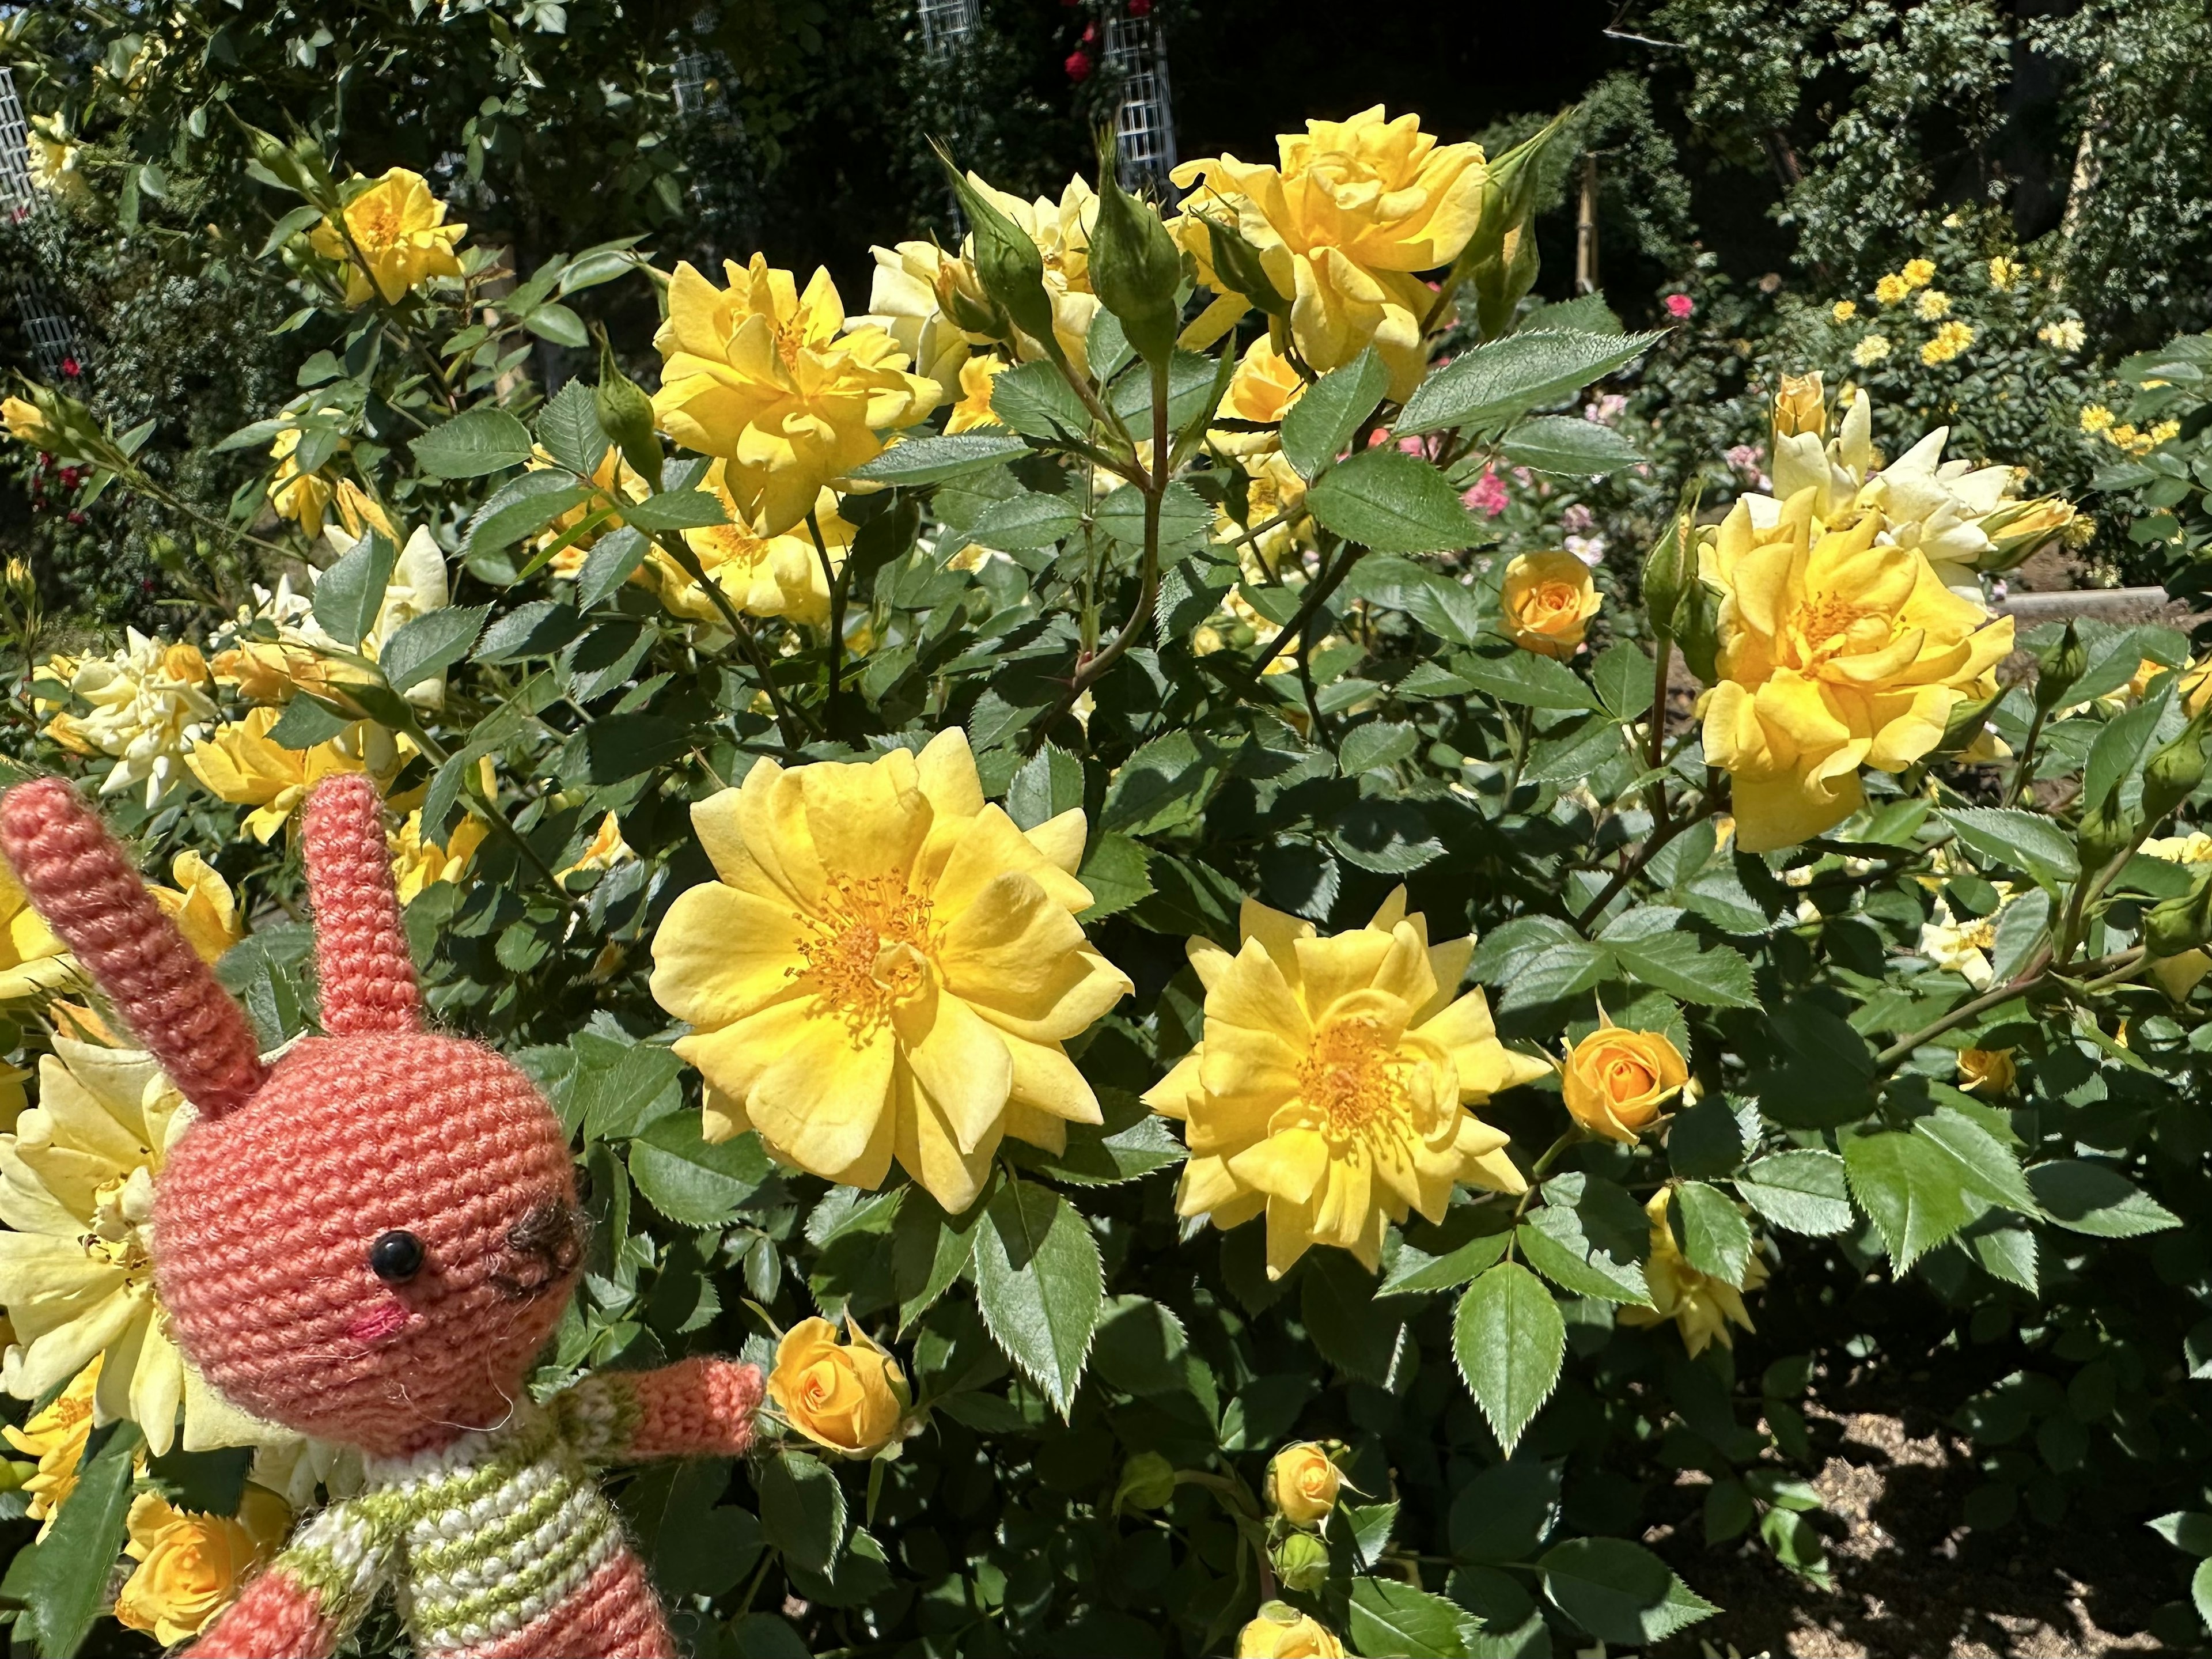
(369, 1242)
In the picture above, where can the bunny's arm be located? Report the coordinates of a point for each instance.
(695, 1408)
(306, 1601)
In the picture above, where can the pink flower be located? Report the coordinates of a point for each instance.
(1744, 457)
(1679, 306)
(1524, 478)
(1607, 408)
(1411, 446)
(1375, 438)
(1140, 8)
(1487, 494)
(1576, 520)
(1590, 549)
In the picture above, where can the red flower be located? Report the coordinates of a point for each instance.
(72, 367)
(69, 476)
(1679, 306)
(1140, 8)
(1078, 65)
(76, 518)
(1091, 34)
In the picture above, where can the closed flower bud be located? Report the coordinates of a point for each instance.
(2173, 773)
(2018, 532)
(1135, 267)
(1670, 571)
(1301, 1563)
(1239, 264)
(1615, 1081)
(1303, 1482)
(850, 1398)
(1148, 1482)
(2058, 668)
(2180, 924)
(1007, 263)
(2106, 833)
(1800, 407)
(625, 415)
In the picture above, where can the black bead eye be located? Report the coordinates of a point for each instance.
(395, 1257)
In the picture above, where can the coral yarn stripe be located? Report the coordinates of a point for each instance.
(614, 1614)
(276, 1618)
(82, 883)
(360, 950)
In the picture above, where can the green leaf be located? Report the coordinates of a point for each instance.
(1141, 1348)
(556, 323)
(1623, 678)
(1163, 785)
(1132, 1142)
(2200, 1590)
(675, 509)
(932, 460)
(1183, 515)
(350, 592)
(1569, 445)
(1337, 1301)
(2097, 1199)
(1488, 386)
(1553, 1242)
(1619, 1591)
(539, 629)
(1036, 399)
(430, 644)
(1503, 1514)
(1391, 502)
(473, 443)
(1376, 744)
(1030, 519)
(1050, 783)
(1674, 963)
(307, 721)
(1391, 1619)
(2119, 749)
(522, 508)
(568, 428)
(2185, 1529)
(1910, 1189)
(929, 1251)
(1041, 1286)
(1317, 427)
(1509, 1340)
(620, 1088)
(1986, 1169)
(1715, 1238)
(1117, 872)
(1415, 1273)
(63, 1580)
(1801, 1189)
(1512, 675)
(1436, 602)
(2025, 841)
(693, 1182)
(613, 560)
(802, 1507)
(1392, 837)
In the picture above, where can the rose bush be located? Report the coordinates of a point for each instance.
(947, 801)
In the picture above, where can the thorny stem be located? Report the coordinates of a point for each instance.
(1542, 1166)
(2031, 974)
(1645, 852)
(787, 720)
(2024, 769)
(835, 579)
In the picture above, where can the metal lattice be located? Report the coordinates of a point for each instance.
(946, 25)
(45, 329)
(1144, 124)
(698, 84)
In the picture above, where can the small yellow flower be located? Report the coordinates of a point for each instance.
(191, 1566)
(1843, 310)
(1964, 947)
(1702, 1305)
(1932, 304)
(1870, 350)
(850, 1399)
(1985, 1071)
(1615, 1081)
(973, 410)
(395, 238)
(302, 497)
(417, 862)
(2003, 272)
(1302, 1481)
(2096, 418)
(762, 575)
(2165, 432)
(1891, 289)
(25, 423)
(1331, 1089)
(1281, 1631)
(56, 1438)
(242, 765)
(1547, 599)
(1266, 383)
(1918, 273)
(1951, 339)
(608, 848)
(202, 905)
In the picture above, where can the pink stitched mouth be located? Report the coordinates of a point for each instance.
(387, 1319)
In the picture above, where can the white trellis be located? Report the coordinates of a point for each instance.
(1144, 124)
(946, 25)
(44, 326)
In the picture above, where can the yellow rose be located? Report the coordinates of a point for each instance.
(395, 238)
(1615, 1081)
(849, 1399)
(885, 968)
(2003, 272)
(1353, 209)
(1548, 599)
(1331, 1088)
(1835, 654)
(190, 1567)
(1951, 339)
(1932, 305)
(1302, 1481)
(202, 905)
(57, 1437)
(1701, 1305)
(607, 850)
(25, 423)
(1918, 273)
(417, 862)
(1891, 289)
(242, 765)
(1281, 1631)
(1985, 1071)
(33, 958)
(977, 376)
(1265, 386)
(773, 382)
(1843, 310)
(302, 497)
(1801, 406)
(777, 576)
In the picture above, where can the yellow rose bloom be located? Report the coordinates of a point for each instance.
(2003, 272)
(1870, 350)
(1843, 310)
(302, 497)
(150, 704)
(25, 423)
(1265, 386)
(2066, 334)
(395, 238)
(1891, 289)
(1985, 1071)
(1951, 339)
(190, 1567)
(762, 575)
(973, 409)
(1836, 652)
(202, 905)
(914, 282)
(33, 958)
(1547, 599)
(1330, 1089)
(1918, 273)
(1800, 407)
(55, 1438)
(242, 765)
(2095, 418)
(771, 380)
(1351, 209)
(849, 1399)
(1302, 1481)
(607, 850)
(418, 862)
(886, 968)
(1615, 1081)
(1701, 1305)
(1281, 1631)
(1932, 304)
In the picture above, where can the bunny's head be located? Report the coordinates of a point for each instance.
(368, 1240)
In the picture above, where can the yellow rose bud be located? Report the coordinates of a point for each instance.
(1548, 599)
(1616, 1081)
(849, 1399)
(1281, 1631)
(190, 1567)
(24, 422)
(1985, 1071)
(1303, 1483)
(1799, 406)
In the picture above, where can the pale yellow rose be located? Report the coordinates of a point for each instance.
(1702, 1306)
(417, 861)
(850, 1398)
(1615, 1081)
(1800, 407)
(1548, 600)
(242, 765)
(395, 238)
(1986, 1071)
(1281, 1631)
(1263, 388)
(25, 423)
(190, 1567)
(1303, 1482)
(302, 497)
(977, 376)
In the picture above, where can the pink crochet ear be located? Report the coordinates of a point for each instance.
(360, 950)
(80, 881)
